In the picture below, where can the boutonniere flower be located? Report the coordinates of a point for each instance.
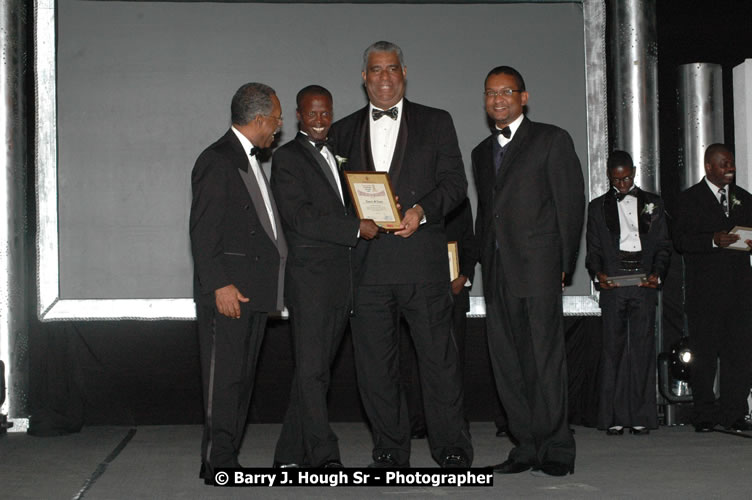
(648, 208)
(735, 202)
(341, 160)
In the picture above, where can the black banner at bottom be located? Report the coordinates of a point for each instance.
(357, 477)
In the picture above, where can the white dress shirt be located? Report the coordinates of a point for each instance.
(256, 169)
(383, 135)
(629, 229)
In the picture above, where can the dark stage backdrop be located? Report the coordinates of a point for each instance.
(146, 373)
(144, 87)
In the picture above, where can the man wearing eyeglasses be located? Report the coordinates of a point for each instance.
(627, 235)
(529, 220)
(239, 255)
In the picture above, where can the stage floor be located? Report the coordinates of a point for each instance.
(149, 462)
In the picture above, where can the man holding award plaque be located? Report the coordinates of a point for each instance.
(321, 232)
(405, 271)
(718, 281)
(627, 236)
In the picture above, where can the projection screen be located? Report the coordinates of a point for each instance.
(129, 93)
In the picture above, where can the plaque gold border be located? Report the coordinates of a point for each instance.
(376, 178)
(454, 260)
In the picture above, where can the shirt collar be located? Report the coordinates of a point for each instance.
(513, 126)
(715, 188)
(247, 144)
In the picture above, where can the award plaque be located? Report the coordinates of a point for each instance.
(745, 233)
(373, 198)
(627, 280)
(454, 260)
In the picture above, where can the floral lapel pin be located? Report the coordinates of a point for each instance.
(341, 160)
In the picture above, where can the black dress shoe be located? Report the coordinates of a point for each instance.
(386, 460)
(639, 431)
(418, 434)
(509, 466)
(704, 427)
(332, 464)
(455, 458)
(502, 432)
(553, 469)
(614, 431)
(740, 425)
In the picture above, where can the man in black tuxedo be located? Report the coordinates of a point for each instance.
(321, 231)
(530, 212)
(718, 290)
(406, 272)
(239, 255)
(627, 234)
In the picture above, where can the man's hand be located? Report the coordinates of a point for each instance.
(651, 282)
(228, 301)
(603, 281)
(369, 229)
(749, 244)
(723, 239)
(411, 221)
(458, 284)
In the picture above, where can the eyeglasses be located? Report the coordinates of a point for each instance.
(278, 118)
(619, 180)
(491, 94)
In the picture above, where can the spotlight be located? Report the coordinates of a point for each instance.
(681, 360)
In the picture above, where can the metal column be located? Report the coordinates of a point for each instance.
(633, 73)
(13, 221)
(700, 109)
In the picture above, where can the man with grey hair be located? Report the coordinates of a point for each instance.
(239, 255)
(406, 271)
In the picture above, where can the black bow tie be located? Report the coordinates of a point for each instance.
(255, 151)
(506, 132)
(320, 144)
(391, 113)
(621, 196)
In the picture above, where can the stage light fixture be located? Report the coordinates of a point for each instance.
(681, 360)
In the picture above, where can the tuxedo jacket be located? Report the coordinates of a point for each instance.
(320, 228)
(231, 239)
(533, 209)
(710, 271)
(426, 169)
(604, 232)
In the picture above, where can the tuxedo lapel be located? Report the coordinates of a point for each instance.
(318, 159)
(399, 148)
(365, 141)
(643, 217)
(611, 216)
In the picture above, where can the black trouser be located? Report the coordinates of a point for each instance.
(307, 437)
(526, 344)
(427, 308)
(229, 350)
(627, 375)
